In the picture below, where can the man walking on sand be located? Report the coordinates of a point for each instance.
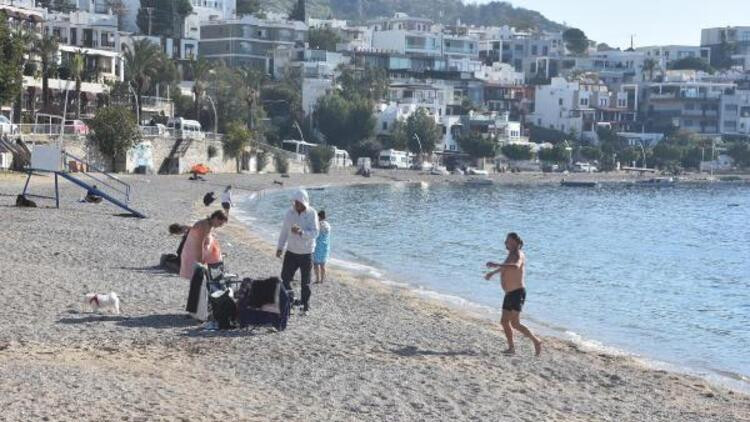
(512, 274)
(298, 234)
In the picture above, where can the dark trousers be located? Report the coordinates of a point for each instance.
(293, 262)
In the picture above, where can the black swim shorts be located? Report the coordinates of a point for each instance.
(514, 300)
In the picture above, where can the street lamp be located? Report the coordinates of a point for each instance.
(137, 106)
(569, 149)
(643, 152)
(216, 116)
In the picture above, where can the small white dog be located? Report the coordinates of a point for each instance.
(108, 301)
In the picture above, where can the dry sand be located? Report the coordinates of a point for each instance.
(367, 352)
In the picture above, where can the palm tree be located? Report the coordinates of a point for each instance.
(253, 79)
(650, 65)
(141, 66)
(77, 67)
(46, 49)
(200, 70)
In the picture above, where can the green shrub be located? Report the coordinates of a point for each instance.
(320, 158)
(212, 152)
(261, 159)
(281, 162)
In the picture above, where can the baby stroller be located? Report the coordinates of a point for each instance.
(229, 302)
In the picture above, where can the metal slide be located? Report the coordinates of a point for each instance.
(104, 195)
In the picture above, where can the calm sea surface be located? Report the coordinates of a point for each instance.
(660, 272)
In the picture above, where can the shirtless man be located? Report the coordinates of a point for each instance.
(512, 273)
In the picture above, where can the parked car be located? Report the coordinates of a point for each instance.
(477, 172)
(439, 171)
(584, 168)
(76, 127)
(7, 127)
(423, 166)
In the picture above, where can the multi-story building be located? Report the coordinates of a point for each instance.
(688, 104)
(580, 107)
(735, 112)
(249, 41)
(666, 54)
(612, 67)
(732, 40)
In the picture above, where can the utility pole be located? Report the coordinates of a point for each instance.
(150, 11)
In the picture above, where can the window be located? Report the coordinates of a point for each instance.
(534, 50)
(622, 103)
(385, 125)
(584, 101)
(560, 102)
(731, 108)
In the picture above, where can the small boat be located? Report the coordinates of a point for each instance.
(573, 184)
(479, 181)
(658, 181)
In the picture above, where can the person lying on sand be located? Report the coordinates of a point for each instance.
(512, 273)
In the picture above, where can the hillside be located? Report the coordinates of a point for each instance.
(442, 11)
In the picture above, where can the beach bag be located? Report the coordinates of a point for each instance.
(223, 308)
(209, 198)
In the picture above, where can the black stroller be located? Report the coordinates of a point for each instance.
(233, 303)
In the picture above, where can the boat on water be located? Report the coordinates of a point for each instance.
(479, 181)
(579, 184)
(658, 181)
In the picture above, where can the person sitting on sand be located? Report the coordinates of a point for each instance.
(92, 197)
(226, 199)
(322, 248)
(201, 246)
(512, 273)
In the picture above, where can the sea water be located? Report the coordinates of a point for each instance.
(661, 272)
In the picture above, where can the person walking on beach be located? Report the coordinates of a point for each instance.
(512, 273)
(226, 199)
(200, 245)
(298, 234)
(322, 248)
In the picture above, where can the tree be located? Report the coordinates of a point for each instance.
(141, 66)
(77, 67)
(478, 146)
(366, 148)
(332, 117)
(227, 94)
(199, 70)
(360, 121)
(298, 11)
(691, 63)
(540, 134)
(323, 39)
(11, 63)
(237, 139)
(423, 133)
(740, 153)
(248, 7)
(320, 158)
(253, 79)
(370, 82)
(590, 153)
(46, 49)
(666, 155)
(650, 65)
(114, 130)
(166, 17)
(517, 152)
(557, 154)
(575, 41)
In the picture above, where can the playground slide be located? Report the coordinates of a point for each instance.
(104, 195)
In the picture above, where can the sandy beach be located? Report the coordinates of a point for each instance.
(366, 352)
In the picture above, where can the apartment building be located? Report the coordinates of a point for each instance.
(735, 111)
(736, 38)
(667, 54)
(580, 107)
(612, 67)
(249, 41)
(691, 105)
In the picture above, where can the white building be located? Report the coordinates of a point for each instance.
(501, 74)
(666, 54)
(579, 107)
(613, 67)
(735, 113)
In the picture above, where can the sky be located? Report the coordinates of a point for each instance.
(653, 22)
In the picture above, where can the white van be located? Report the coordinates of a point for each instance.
(183, 128)
(393, 159)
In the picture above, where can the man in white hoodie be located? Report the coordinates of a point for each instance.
(298, 234)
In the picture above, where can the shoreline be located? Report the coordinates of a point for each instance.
(367, 352)
(353, 269)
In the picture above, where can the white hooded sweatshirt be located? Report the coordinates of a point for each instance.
(303, 243)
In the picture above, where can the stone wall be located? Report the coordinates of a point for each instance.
(168, 155)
